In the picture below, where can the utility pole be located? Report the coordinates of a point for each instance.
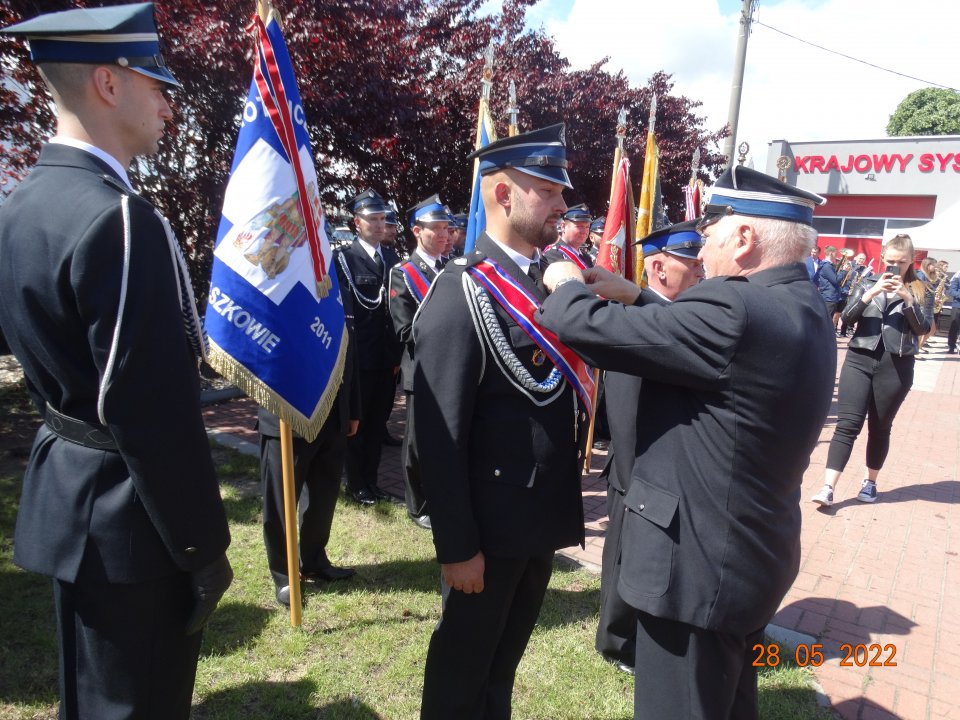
(736, 88)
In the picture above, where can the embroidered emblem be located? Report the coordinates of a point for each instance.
(539, 357)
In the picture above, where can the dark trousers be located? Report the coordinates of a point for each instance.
(412, 487)
(954, 328)
(124, 652)
(477, 645)
(688, 672)
(318, 466)
(617, 629)
(363, 449)
(873, 386)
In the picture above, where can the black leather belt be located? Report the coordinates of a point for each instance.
(78, 432)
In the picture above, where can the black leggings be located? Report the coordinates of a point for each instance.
(873, 385)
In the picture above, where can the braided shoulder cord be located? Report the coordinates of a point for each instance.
(490, 331)
(361, 298)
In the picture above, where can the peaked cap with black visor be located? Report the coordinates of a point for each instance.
(124, 35)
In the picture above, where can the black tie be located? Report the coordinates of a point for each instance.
(536, 273)
(379, 261)
(438, 265)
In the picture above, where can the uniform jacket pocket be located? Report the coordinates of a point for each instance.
(649, 537)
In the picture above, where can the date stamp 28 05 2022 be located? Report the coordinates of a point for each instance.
(858, 655)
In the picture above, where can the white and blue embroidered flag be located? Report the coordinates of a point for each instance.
(274, 316)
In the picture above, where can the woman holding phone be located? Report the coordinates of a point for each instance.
(878, 370)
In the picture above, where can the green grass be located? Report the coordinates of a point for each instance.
(360, 651)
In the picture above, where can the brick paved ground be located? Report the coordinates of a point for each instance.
(884, 576)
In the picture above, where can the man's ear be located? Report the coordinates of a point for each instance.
(502, 193)
(106, 82)
(656, 267)
(745, 242)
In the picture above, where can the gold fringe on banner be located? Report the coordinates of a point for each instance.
(307, 427)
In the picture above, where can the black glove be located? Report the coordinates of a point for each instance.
(209, 584)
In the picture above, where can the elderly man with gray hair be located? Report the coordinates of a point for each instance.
(738, 374)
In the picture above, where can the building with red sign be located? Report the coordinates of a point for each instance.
(874, 188)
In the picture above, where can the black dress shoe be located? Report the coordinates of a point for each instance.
(391, 440)
(283, 595)
(379, 494)
(422, 521)
(363, 497)
(619, 665)
(328, 574)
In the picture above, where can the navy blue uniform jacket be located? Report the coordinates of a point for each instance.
(501, 470)
(737, 380)
(153, 508)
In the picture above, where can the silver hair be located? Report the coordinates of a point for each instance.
(781, 241)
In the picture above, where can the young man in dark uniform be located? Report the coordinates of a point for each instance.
(409, 284)
(120, 502)
(502, 424)
(738, 376)
(363, 269)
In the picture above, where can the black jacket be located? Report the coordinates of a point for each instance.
(500, 465)
(403, 307)
(738, 376)
(154, 507)
(377, 344)
(890, 320)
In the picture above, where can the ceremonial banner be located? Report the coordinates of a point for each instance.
(477, 218)
(274, 314)
(692, 193)
(616, 247)
(650, 208)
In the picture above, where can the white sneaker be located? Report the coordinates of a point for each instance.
(824, 497)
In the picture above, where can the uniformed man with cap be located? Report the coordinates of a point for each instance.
(391, 231)
(738, 376)
(574, 230)
(409, 284)
(672, 266)
(596, 232)
(458, 234)
(499, 413)
(363, 268)
(120, 502)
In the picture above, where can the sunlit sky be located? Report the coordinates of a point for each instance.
(791, 90)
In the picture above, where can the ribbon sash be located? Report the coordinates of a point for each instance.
(521, 306)
(416, 281)
(570, 255)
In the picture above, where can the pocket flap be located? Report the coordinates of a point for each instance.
(655, 504)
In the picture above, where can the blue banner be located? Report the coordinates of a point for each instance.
(477, 218)
(274, 314)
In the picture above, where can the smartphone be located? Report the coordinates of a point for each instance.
(892, 269)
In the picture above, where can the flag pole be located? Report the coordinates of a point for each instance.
(647, 190)
(621, 134)
(266, 10)
(512, 110)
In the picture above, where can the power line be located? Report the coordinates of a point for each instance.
(850, 57)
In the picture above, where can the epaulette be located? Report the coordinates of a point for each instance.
(465, 261)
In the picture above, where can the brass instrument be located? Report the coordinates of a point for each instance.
(938, 297)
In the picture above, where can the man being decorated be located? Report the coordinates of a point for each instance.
(409, 283)
(503, 405)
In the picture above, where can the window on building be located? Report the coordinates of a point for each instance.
(828, 225)
(863, 226)
(901, 224)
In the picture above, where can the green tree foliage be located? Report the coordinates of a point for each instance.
(390, 91)
(930, 111)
